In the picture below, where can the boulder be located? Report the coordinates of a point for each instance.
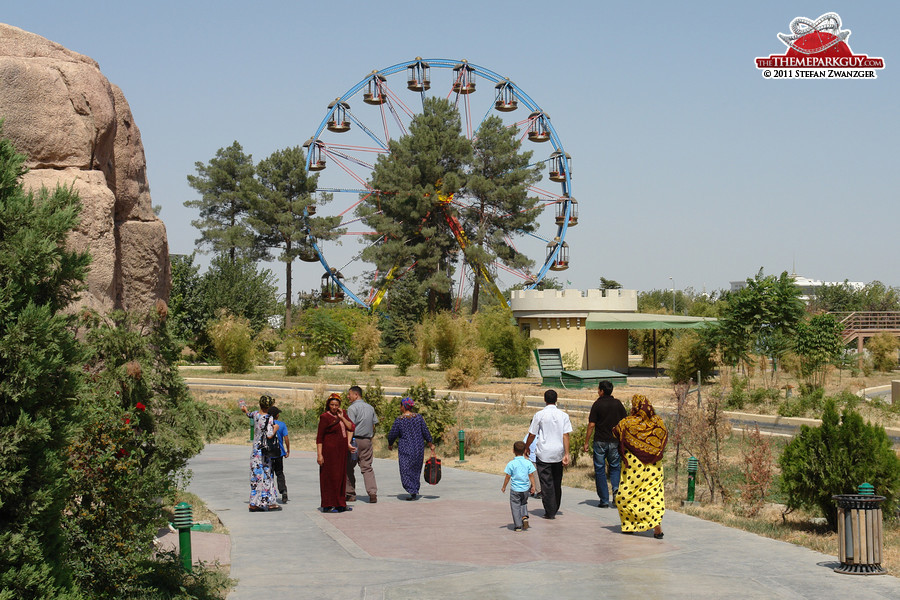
(77, 130)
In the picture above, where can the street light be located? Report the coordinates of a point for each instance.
(673, 295)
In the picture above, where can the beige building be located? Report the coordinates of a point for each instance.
(559, 319)
(591, 326)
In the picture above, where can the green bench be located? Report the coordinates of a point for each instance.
(550, 364)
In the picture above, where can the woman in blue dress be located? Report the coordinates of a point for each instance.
(410, 432)
(262, 483)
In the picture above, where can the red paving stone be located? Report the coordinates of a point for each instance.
(480, 533)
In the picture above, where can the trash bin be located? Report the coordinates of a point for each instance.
(859, 534)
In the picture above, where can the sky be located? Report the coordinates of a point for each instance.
(690, 168)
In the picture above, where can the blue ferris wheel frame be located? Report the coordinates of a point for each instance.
(489, 75)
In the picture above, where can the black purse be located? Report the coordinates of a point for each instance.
(270, 446)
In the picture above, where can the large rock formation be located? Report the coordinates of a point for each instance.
(77, 130)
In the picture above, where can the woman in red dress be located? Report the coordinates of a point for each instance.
(333, 449)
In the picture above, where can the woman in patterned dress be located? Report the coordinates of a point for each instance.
(332, 453)
(410, 432)
(262, 483)
(642, 439)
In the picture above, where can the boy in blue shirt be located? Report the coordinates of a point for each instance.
(281, 432)
(520, 478)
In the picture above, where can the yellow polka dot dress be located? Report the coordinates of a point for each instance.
(640, 499)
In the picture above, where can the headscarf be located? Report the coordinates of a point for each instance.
(643, 432)
(266, 401)
(407, 403)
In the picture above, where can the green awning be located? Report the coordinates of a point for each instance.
(601, 320)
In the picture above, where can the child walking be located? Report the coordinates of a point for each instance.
(520, 478)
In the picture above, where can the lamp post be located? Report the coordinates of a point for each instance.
(673, 294)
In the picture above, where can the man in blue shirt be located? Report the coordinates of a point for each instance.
(281, 431)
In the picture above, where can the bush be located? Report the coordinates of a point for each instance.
(835, 458)
(366, 346)
(139, 427)
(510, 348)
(299, 359)
(232, 340)
(737, 397)
(437, 412)
(404, 357)
(764, 394)
(40, 376)
(304, 364)
(576, 444)
(883, 350)
(470, 364)
(690, 353)
(810, 401)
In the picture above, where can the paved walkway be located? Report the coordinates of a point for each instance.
(457, 542)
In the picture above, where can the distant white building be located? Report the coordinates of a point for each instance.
(807, 286)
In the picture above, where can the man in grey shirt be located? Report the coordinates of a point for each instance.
(365, 419)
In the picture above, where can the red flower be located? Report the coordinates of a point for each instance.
(122, 452)
(127, 420)
(140, 406)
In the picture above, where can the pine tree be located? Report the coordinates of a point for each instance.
(277, 214)
(227, 191)
(409, 211)
(39, 379)
(499, 205)
(835, 458)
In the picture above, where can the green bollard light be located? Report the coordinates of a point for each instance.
(693, 465)
(183, 523)
(462, 446)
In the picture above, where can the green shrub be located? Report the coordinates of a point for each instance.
(763, 394)
(835, 458)
(510, 348)
(810, 401)
(737, 397)
(439, 413)
(366, 347)
(576, 444)
(404, 357)
(232, 339)
(688, 354)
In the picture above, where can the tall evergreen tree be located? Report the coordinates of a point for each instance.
(227, 191)
(287, 192)
(39, 379)
(242, 288)
(414, 183)
(498, 186)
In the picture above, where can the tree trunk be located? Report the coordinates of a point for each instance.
(288, 292)
(475, 296)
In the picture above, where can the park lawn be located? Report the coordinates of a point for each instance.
(491, 431)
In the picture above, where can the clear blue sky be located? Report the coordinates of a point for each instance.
(687, 163)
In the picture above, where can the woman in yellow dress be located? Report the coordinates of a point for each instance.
(642, 439)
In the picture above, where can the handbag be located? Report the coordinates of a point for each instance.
(269, 445)
(432, 472)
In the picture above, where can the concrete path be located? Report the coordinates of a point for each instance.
(457, 542)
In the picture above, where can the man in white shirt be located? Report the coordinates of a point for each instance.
(551, 427)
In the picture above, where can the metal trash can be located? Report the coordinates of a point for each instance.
(859, 534)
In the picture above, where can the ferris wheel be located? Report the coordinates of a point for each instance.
(358, 127)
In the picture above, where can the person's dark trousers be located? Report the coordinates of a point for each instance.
(278, 469)
(550, 475)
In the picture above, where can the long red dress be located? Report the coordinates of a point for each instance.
(332, 434)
